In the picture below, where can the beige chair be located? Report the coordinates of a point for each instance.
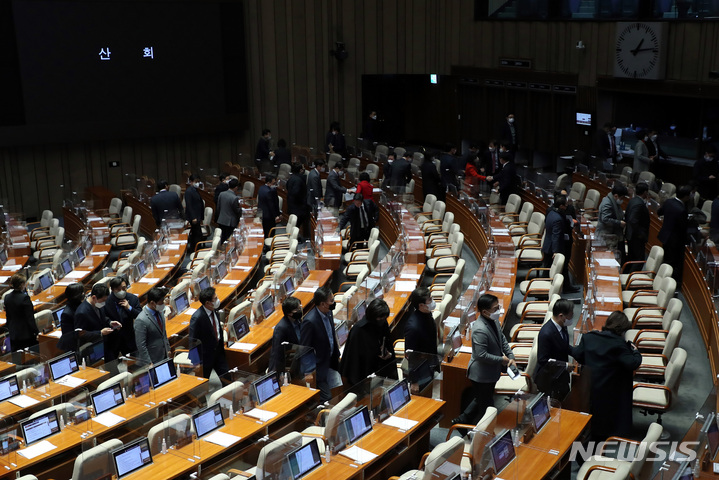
(447, 455)
(444, 227)
(435, 218)
(538, 309)
(646, 177)
(231, 395)
(176, 427)
(444, 258)
(655, 398)
(519, 226)
(95, 462)
(438, 291)
(578, 192)
(248, 190)
(427, 206)
(278, 234)
(534, 234)
(43, 320)
(44, 234)
(483, 434)
(647, 294)
(644, 316)
(591, 205)
(279, 249)
(511, 209)
(373, 171)
(62, 409)
(355, 267)
(373, 236)
(652, 339)
(123, 378)
(643, 278)
(542, 283)
(113, 211)
(328, 421)
(438, 238)
(506, 385)
(655, 364)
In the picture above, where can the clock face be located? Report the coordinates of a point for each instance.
(639, 51)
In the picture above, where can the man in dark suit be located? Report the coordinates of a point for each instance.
(362, 215)
(335, 140)
(552, 377)
(706, 174)
(263, 152)
(287, 330)
(610, 220)
(123, 307)
(219, 188)
(491, 356)
(20, 315)
(508, 131)
(90, 318)
(205, 327)
(448, 166)
(506, 179)
(229, 208)
(282, 154)
(269, 203)
(318, 332)
(490, 159)
(673, 233)
(150, 329)
(387, 169)
(194, 211)
(314, 184)
(334, 196)
(401, 173)
(555, 231)
(637, 230)
(165, 204)
(431, 179)
(297, 197)
(420, 331)
(607, 146)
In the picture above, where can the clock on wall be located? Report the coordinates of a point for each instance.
(640, 50)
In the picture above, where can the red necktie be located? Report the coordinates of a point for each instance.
(214, 324)
(159, 320)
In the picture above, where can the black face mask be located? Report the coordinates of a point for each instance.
(332, 306)
(297, 316)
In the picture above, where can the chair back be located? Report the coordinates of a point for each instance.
(46, 218)
(647, 177)
(332, 159)
(459, 269)
(61, 408)
(532, 360)
(445, 454)
(95, 462)
(26, 374)
(115, 206)
(675, 367)
(666, 292)
(536, 223)
(674, 309)
(229, 395)
(248, 190)
(43, 320)
(127, 215)
(438, 210)
(514, 202)
(556, 286)
(429, 203)
(562, 181)
(178, 423)
(557, 264)
(526, 212)
(373, 171)
(334, 417)
(458, 244)
(652, 436)
(592, 199)
(578, 192)
(483, 434)
(373, 257)
(655, 259)
(665, 270)
(673, 336)
(399, 152)
(123, 378)
(447, 222)
(381, 149)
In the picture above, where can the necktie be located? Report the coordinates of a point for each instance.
(494, 162)
(159, 320)
(565, 335)
(214, 324)
(363, 217)
(614, 147)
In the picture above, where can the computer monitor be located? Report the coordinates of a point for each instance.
(63, 365)
(40, 427)
(712, 430)
(155, 255)
(3, 255)
(360, 310)
(57, 316)
(289, 284)
(221, 269)
(208, 420)
(8, 387)
(267, 305)
(304, 459)
(357, 425)
(181, 302)
(305, 269)
(502, 451)
(163, 372)
(240, 327)
(79, 254)
(684, 472)
(203, 282)
(141, 383)
(343, 332)
(66, 266)
(94, 353)
(107, 398)
(45, 281)
(584, 119)
(540, 412)
(231, 256)
(397, 396)
(131, 457)
(141, 269)
(266, 387)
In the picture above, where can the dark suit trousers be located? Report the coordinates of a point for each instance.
(217, 362)
(195, 235)
(226, 232)
(267, 225)
(635, 252)
(483, 398)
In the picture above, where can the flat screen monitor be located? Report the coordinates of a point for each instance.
(141, 383)
(357, 425)
(155, 255)
(266, 387)
(289, 286)
(203, 283)
(540, 412)
(181, 302)
(502, 450)
(221, 270)
(713, 437)
(43, 375)
(132, 457)
(397, 396)
(163, 372)
(66, 266)
(343, 332)
(63, 365)
(240, 327)
(107, 398)
(231, 256)
(39, 428)
(584, 119)
(45, 281)
(3, 255)
(208, 420)
(305, 269)
(267, 305)
(304, 459)
(95, 353)
(8, 387)
(360, 310)
(57, 316)
(80, 254)
(141, 269)
(684, 472)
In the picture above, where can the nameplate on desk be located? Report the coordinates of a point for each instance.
(332, 238)
(94, 219)
(307, 289)
(55, 333)
(108, 419)
(465, 349)
(165, 265)
(37, 449)
(178, 242)
(4, 279)
(607, 262)
(189, 311)
(602, 313)
(70, 381)
(416, 237)
(12, 268)
(222, 439)
(150, 280)
(331, 255)
(64, 283)
(98, 253)
(234, 283)
(256, 235)
(500, 231)
(500, 289)
(242, 267)
(76, 274)
(259, 414)
(173, 246)
(23, 401)
(607, 278)
(612, 300)
(451, 321)
(20, 244)
(359, 455)
(410, 276)
(400, 423)
(246, 347)
(400, 286)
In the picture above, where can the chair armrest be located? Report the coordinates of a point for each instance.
(535, 292)
(321, 417)
(528, 236)
(358, 245)
(435, 221)
(357, 254)
(637, 314)
(528, 326)
(342, 286)
(40, 230)
(653, 386)
(536, 269)
(424, 459)
(526, 311)
(631, 262)
(202, 245)
(599, 468)
(441, 278)
(437, 247)
(454, 427)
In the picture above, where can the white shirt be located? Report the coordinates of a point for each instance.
(211, 314)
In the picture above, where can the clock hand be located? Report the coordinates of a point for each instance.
(643, 50)
(634, 52)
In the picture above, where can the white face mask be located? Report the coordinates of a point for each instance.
(492, 149)
(510, 120)
(432, 306)
(653, 138)
(495, 315)
(99, 304)
(121, 294)
(216, 305)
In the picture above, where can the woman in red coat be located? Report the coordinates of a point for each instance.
(364, 187)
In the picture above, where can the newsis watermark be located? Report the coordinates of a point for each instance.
(627, 451)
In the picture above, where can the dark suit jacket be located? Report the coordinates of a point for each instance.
(361, 356)
(337, 141)
(387, 173)
(507, 178)
(284, 332)
(420, 333)
(352, 215)
(92, 320)
(611, 362)
(221, 187)
(268, 202)
(401, 173)
(706, 187)
(431, 180)
(505, 133)
(194, 206)
(490, 165)
(68, 341)
(314, 187)
(335, 190)
(282, 155)
(551, 345)
(126, 317)
(314, 335)
(201, 329)
(554, 231)
(673, 233)
(637, 218)
(448, 169)
(262, 151)
(165, 200)
(296, 195)
(20, 317)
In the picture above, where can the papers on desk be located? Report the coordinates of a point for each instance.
(173, 246)
(178, 242)
(94, 219)
(358, 455)
(37, 302)
(242, 267)
(189, 311)
(98, 253)
(36, 450)
(607, 262)
(259, 414)
(243, 346)
(76, 274)
(20, 244)
(70, 381)
(12, 268)
(401, 423)
(331, 255)
(400, 286)
(612, 300)
(447, 469)
(410, 276)
(465, 349)
(376, 190)
(165, 265)
(607, 278)
(451, 321)
(64, 283)
(500, 289)
(4, 279)
(307, 289)
(23, 401)
(332, 238)
(228, 281)
(108, 419)
(149, 280)
(602, 313)
(222, 439)
(55, 333)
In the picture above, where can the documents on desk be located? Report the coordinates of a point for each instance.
(173, 246)
(500, 289)
(357, 454)
(607, 278)
(55, 333)
(36, 450)
(246, 347)
(70, 381)
(108, 419)
(226, 281)
(400, 286)
(76, 274)
(410, 276)
(12, 268)
(222, 439)
(149, 280)
(465, 349)
(607, 262)
(400, 423)
(262, 415)
(23, 401)
(307, 289)
(165, 265)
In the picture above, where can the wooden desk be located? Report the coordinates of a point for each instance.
(330, 255)
(173, 255)
(20, 238)
(397, 301)
(608, 292)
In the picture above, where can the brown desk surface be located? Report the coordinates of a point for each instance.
(398, 301)
(173, 255)
(609, 292)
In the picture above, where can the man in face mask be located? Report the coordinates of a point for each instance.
(491, 356)
(318, 332)
(706, 171)
(269, 203)
(123, 307)
(194, 211)
(673, 234)
(420, 331)
(611, 218)
(90, 318)
(205, 326)
(287, 330)
(553, 350)
(150, 329)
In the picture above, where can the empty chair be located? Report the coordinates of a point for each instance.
(435, 218)
(43, 320)
(563, 182)
(647, 296)
(123, 378)
(645, 315)
(646, 177)
(284, 171)
(534, 233)
(538, 309)
(399, 152)
(373, 171)
(328, 420)
(591, 205)
(62, 409)
(642, 278)
(113, 211)
(427, 206)
(248, 190)
(483, 433)
(654, 364)
(514, 202)
(182, 424)
(505, 385)
(446, 456)
(519, 226)
(539, 283)
(47, 248)
(653, 339)
(657, 398)
(578, 191)
(229, 396)
(444, 258)
(355, 267)
(95, 462)
(44, 234)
